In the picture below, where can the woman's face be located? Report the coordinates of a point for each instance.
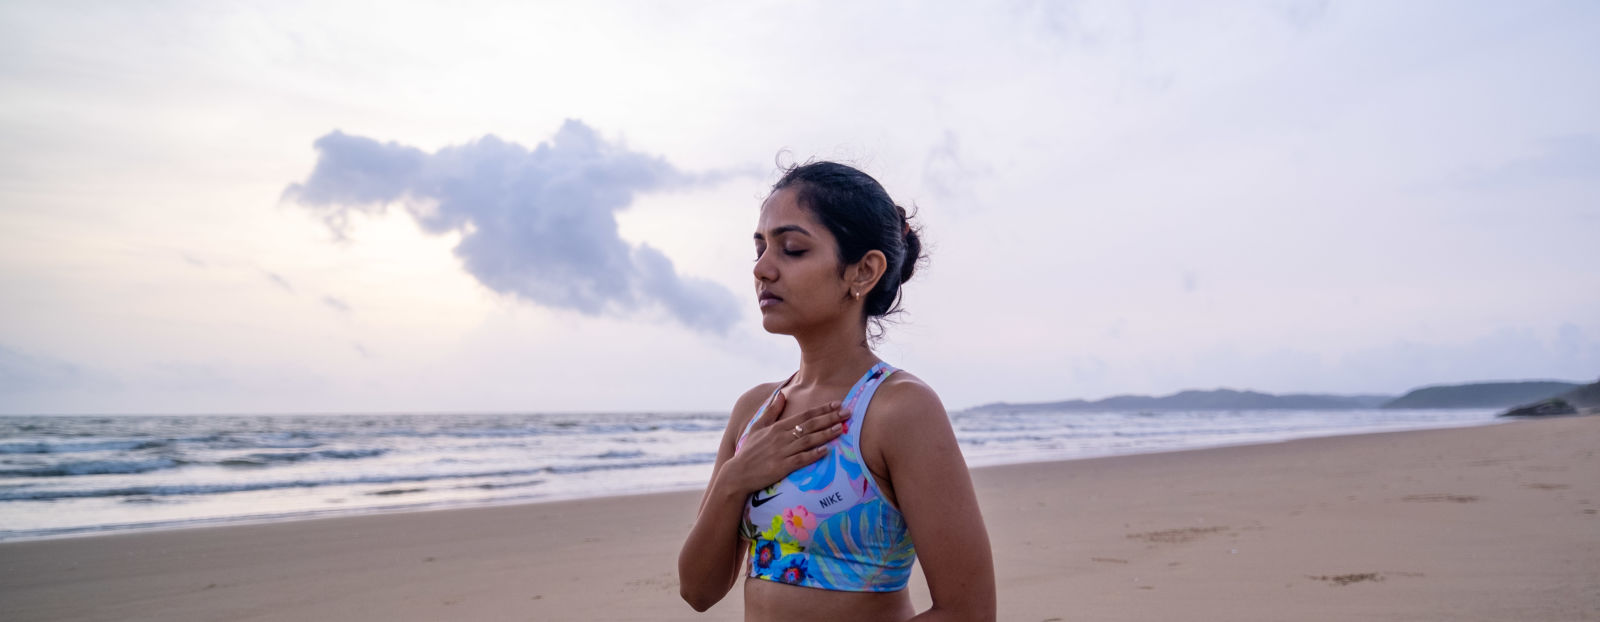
(797, 268)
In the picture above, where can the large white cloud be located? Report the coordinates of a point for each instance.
(537, 224)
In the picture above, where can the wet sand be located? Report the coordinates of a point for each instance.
(1497, 522)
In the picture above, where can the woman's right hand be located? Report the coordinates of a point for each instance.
(771, 451)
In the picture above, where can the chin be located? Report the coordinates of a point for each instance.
(775, 326)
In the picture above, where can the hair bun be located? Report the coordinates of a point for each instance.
(908, 266)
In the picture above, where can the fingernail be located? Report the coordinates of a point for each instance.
(837, 427)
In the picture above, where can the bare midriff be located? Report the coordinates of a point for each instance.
(769, 601)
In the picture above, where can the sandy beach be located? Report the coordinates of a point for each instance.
(1497, 522)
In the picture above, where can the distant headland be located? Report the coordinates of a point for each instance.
(1470, 395)
(1582, 400)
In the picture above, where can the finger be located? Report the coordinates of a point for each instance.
(795, 432)
(822, 411)
(774, 408)
(821, 421)
(806, 457)
(822, 436)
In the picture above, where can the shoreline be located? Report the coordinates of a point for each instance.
(1488, 522)
(331, 513)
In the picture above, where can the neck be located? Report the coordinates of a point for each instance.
(833, 356)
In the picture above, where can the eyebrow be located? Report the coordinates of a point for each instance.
(786, 229)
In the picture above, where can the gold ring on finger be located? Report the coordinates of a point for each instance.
(798, 431)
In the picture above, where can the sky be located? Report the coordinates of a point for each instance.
(323, 207)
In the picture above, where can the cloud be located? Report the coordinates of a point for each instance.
(1571, 157)
(277, 279)
(336, 304)
(536, 224)
(1508, 353)
(1571, 160)
(22, 373)
(1304, 15)
(948, 172)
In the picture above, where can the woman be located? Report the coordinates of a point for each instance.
(825, 494)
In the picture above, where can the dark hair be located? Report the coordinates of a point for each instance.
(859, 213)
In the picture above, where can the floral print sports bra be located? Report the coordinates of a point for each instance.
(826, 525)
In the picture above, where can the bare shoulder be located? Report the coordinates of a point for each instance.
(743, 410)
(915, 435)
(905, 399)
(750, 402)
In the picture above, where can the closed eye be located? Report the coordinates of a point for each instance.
(786, 252)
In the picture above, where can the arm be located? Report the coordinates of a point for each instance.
(709, 563)
(934, 492)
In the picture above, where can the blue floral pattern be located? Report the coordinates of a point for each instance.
(826, 525)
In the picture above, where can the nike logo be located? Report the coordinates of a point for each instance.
(756, 502)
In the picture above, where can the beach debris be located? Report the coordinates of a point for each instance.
(1176, 536)
(1347, 579)
(1437, 497)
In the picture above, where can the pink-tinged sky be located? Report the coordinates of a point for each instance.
(331, 207)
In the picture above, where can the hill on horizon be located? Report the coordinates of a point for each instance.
(1482, 394)
(1584, 400)
(1216, 399)
(1468, 395)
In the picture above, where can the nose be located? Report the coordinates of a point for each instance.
(764, 270)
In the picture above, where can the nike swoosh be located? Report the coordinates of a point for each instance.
(756, 502)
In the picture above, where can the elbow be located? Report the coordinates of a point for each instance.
(699, 601)
(700, 594)
(700, 584)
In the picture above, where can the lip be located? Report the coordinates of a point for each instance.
(767, 299)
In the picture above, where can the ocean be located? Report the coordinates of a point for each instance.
(73, 475)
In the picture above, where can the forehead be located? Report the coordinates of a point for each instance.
(782, 209)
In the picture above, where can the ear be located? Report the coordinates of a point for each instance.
(864, 275)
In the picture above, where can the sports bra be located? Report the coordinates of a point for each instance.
(826, 525)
